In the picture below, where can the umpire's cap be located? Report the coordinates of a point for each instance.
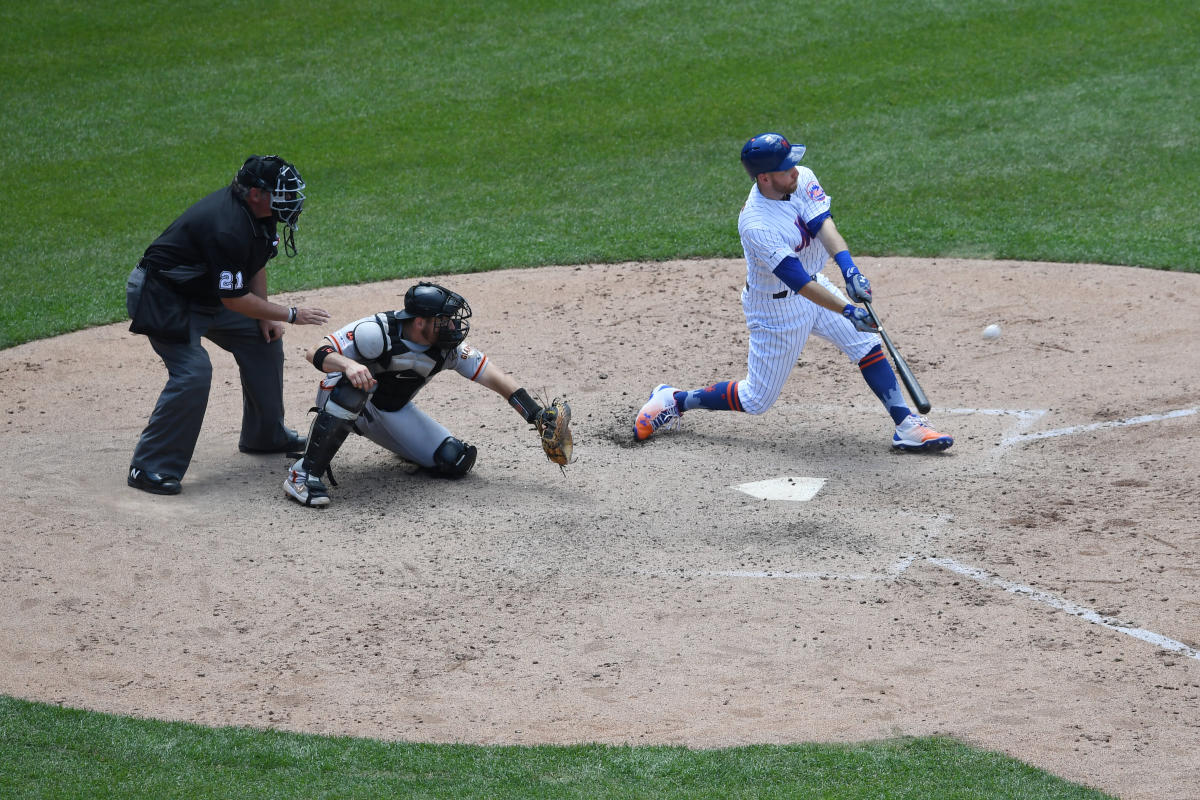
(770, 152)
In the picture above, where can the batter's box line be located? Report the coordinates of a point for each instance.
(982, 576)
(1074, 609)
(975, 573)
(891, 572)
(1021, 438)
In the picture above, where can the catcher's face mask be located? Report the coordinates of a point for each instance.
(449, 310)
(451, 331)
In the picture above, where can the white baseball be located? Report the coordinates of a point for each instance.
(991, 331)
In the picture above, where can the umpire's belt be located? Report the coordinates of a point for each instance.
(777, 295)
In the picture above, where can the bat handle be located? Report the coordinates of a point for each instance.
(871, 311)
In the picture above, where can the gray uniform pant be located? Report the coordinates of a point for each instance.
(169, 439)
(408, 431)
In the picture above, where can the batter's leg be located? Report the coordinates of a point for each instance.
(866, 350)
(773, 353)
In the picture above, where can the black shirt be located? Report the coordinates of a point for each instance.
(214, 248)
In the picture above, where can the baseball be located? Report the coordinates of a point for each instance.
(991, 331)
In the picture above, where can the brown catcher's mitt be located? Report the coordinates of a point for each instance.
(554, 427)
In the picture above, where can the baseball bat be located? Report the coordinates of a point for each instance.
(906, 374)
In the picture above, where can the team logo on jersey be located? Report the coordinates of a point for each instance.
(805, 236)
(815, 192)
(466, 352)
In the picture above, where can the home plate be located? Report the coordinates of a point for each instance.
(787, 488)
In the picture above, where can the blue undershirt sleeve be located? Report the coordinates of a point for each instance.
(816, 222)
(792, 273)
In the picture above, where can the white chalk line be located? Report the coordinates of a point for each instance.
(1156, 639)
(1026, 418)
(898, 568)
(1020, 413)
(894, 571)
(1095, 426)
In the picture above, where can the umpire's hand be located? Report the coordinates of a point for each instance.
(311, 316)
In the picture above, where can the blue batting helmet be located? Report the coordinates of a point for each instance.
(770, 152)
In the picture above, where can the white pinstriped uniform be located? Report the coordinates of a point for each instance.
(772, 230)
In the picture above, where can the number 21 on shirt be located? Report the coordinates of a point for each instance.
(230, 281)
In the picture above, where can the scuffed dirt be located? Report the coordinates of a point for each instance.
(639, 598)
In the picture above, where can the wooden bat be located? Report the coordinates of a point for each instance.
(906, 374)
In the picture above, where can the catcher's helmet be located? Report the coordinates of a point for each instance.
(280, 178)
(770, 152)
(427, 299)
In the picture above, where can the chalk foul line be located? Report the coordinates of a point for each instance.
(1156, 639)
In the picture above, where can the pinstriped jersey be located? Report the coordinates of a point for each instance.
(772, 230)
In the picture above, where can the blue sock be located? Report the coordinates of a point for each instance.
(718, 397)
(878, 374)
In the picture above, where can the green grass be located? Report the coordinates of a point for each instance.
(447, 137)
(63, 753)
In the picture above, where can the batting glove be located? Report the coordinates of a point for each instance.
(860, 318)
(857, 286)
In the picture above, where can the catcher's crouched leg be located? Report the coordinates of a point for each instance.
(453, 458)
(328, 431)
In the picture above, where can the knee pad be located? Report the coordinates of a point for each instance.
(346, 401)
(453, 458)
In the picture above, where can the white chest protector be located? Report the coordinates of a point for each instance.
(401, 367)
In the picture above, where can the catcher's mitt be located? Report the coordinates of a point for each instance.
(554, 428)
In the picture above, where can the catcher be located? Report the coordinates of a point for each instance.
(375, 366)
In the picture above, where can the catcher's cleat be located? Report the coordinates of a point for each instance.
(659, 413)
(305, 489)
(915, 433)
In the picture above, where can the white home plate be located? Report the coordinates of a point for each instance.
(787, 488)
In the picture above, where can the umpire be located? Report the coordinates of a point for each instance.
(206, 276)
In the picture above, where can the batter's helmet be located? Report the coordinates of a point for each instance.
(280, 178)
(770, 152)
(427, 299)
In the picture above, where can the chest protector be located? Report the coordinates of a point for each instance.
(400, 371)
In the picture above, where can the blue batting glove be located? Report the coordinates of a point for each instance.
(857, 286)
(860, 318)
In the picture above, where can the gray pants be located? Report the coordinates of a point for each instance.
(169, 439)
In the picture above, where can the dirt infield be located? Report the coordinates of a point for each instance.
(1033, 590)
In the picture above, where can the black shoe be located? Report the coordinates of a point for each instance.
(295, 444)
(153, 482)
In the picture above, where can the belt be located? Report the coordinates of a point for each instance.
(777, 295)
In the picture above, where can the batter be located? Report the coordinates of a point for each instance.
(787, 235)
